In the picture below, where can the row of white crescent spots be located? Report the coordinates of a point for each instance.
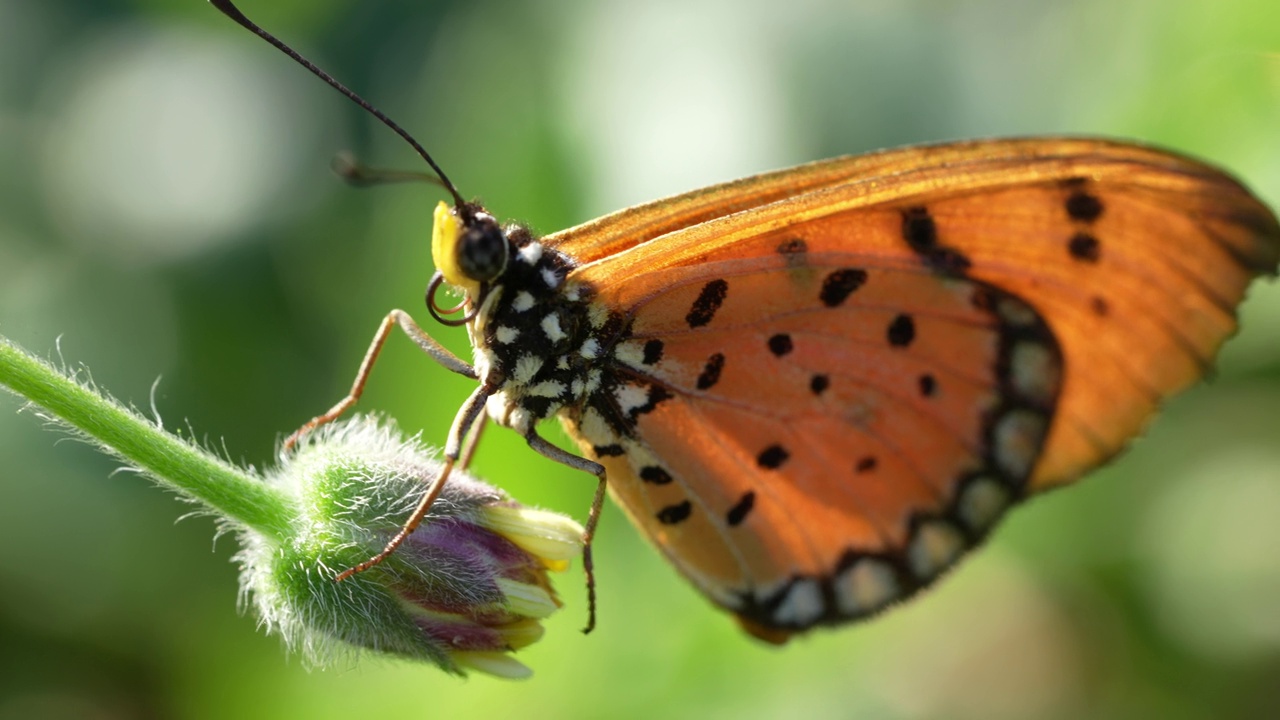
(870, 583)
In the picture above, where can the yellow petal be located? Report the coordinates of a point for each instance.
(552, 537)
(527, 600)
(499, 664)
(521, 633)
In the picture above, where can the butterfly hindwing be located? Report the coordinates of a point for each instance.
(816, 449)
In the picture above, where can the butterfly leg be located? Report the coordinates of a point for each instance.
(470, 412)
(473, 440)
(552, 452)
(393, 319)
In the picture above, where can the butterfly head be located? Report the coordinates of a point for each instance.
(468, 247)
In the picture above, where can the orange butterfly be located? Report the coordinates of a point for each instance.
(813, 390)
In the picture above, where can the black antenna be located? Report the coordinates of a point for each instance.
(226, 7)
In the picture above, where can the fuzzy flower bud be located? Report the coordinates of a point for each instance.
(465, 590)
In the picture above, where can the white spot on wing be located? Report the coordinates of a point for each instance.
(934, 547)
(802, 605)
(630, 397)
(983, 502)
(866, 586)
(1017, 439)
(1016, 313)
(630, 352)
(550, 277)
(595, 429)
(1034, 371)
(590, 349)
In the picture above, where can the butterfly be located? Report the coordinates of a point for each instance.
(814, 390)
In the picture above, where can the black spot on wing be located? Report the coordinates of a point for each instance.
(794, 251)
(819, 383)
(781, 344)
(840, 284)
(919, 229)
(921, 234)
(741, 509)
(1084, 247)
(902, 331)
(652, 352)
(708, 302)
(612, 450)
(928, 385)
(711, 372)
(866, 464)
(1083, 207)
(655, 475)
(772, 457)
(673, 514)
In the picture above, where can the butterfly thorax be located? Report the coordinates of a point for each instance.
(544, 341)
(538, 337)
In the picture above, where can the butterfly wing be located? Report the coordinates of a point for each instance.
(833, 380)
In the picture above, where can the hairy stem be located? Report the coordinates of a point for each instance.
(170, 460)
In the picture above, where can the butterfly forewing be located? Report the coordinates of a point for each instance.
(1134, 257)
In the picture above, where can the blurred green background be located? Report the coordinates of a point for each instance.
(166, 209)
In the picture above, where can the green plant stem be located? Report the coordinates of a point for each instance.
(172, 461)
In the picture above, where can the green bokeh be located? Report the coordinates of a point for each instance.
(1148, 590)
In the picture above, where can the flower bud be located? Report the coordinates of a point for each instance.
(466, 589)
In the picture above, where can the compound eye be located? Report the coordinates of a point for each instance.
(482, 249)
